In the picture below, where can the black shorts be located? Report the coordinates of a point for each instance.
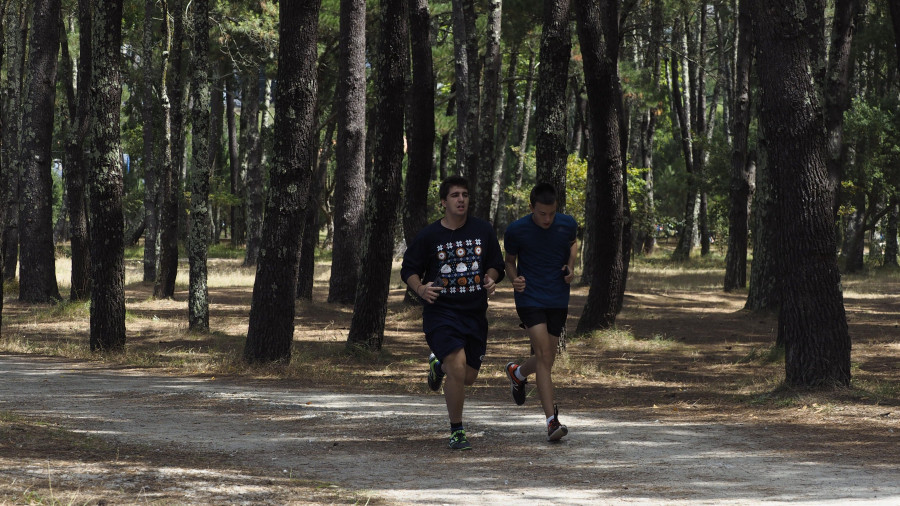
(472, 337)
(555, 318)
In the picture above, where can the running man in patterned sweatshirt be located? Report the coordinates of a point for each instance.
(453, 265)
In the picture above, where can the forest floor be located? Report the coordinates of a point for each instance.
(682, 403)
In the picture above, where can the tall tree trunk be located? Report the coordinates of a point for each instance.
(463, 28)
(106, 182)
(895, 22)
(503, 139)
(271, 330)
(741, 188)
(3, 7)
(249, 137)
(75, 155)
(170, 177)
(489, 112)
(523, 136)
(151, 168)
(218, 74)
(599, 37)
(37, 269)
(681, 112)
(350, 171)
(15, 31)
(370, 308)
(420, 123)
(812, 320)
(847, 15)
(307, 271)
(198, 240)
(236, 211)
(550, 114)
(890, 233)
(255, 176)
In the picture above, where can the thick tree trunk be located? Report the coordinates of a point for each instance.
(173, 152)
(741, 188)
(255, 193)
(420, 123)
(74, 167)
(599, 37)
(2, 164)
(271, 330)
(149, 162)
(106, 182)
(895, 22)
(370, 308)
(198, 239)
(812, 320)
(37, 269)
(853, 245)
(550, 113)
(15, 30)
(489, 113)
(350, 172)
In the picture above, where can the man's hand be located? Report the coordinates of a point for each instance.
(519, 283)
(428, 292)
(490, 285)
(568, 274)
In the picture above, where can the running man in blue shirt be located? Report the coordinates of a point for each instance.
(540, 260)
(453, 265)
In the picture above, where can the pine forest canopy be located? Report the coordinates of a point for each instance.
(277, 126)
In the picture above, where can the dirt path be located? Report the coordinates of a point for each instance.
(392, 446)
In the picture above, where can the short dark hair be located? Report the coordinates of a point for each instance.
(544, 193)
(454, 180)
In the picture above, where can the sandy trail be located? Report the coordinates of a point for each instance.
(392, 446)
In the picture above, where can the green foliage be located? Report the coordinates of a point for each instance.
(576, 188)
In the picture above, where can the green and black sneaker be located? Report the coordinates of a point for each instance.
(435, 374)
(458, 440)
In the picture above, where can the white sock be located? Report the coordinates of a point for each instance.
(550, 419)
(519, 374)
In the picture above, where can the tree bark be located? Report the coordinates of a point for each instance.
(370, 308)
(170, 177)
(489, 112)
(682, 121)
(895, 22)
(599, 37)
(15, 30)
(812, 320)
(198, 240)
(236, 211)
(503, 145)
(37, 269)
(350, 171)
(106, 182)
(255, 193)
(271, 330)
(741, 186)
(466, 107)
(847, 15)
(149, 162)
(890, 233)
(74, 166)
(550, 114)
(307, 270)
(420, 122)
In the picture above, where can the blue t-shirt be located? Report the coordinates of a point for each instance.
(540, 255)
(457, 260)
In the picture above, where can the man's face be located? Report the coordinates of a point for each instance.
(543, 214)
(457, 201)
